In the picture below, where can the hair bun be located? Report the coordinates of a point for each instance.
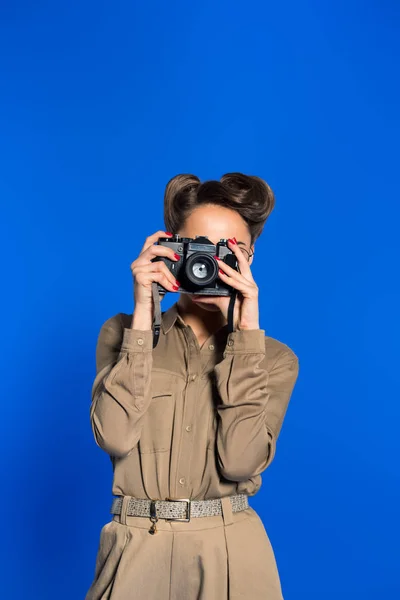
(248, 195)
(253, 191)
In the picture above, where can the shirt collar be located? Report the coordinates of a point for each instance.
(169, 317)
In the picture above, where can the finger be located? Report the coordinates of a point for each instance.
(157, 267)
(145, 278)
(151, 239)
(156, 250)
(243, 263)
(248, 289)
(233, 273)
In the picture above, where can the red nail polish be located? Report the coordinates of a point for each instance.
(177, 283)
(169, 233)
(221, 271)
(233, 240)
(217, 257)
(177, 256)
(175, 287)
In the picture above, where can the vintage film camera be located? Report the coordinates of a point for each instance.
(197, 269)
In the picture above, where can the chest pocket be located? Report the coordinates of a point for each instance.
(158, 420)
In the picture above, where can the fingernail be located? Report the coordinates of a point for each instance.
(217, 257)
(175, 287)
(221, 271)
(233, 240)
(177, 283)
(169, 233)
(177, 256)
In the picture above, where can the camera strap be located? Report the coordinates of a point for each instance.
(231, 308)
(157, 312)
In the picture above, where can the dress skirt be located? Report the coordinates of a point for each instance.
(220, 557)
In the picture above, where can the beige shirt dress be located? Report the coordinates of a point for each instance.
(184, 421)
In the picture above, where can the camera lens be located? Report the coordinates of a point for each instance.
(201, 269)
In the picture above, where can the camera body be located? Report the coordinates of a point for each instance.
(197, 269)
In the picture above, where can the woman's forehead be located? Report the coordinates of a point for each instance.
(216, 222)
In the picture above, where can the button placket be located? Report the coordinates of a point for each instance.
(209, 354)
(186, 441)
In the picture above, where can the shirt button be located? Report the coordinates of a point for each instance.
(230, 343)
(182, 480)
(211, 347)
(193, 377)
(140, 341)
(188, 428)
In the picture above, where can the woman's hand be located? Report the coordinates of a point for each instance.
(144, 272)
(246, 310)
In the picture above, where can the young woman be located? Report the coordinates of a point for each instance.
(191, 424)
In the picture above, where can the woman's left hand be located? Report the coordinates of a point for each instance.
(246, 311)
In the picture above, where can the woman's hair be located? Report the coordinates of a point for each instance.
(248, 195)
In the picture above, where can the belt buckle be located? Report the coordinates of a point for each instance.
(186, 519)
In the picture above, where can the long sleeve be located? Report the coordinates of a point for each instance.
(253, 399)
(121, 389)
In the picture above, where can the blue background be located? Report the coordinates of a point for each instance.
(100, 104)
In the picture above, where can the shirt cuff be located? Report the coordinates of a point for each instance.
(244, 341)
(137, 340)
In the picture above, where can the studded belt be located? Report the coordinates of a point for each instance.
(177, 509)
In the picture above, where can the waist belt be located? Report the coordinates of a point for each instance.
(176, 509)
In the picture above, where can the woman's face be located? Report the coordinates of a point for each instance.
(216, 222)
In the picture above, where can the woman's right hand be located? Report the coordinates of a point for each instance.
(144, 272)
